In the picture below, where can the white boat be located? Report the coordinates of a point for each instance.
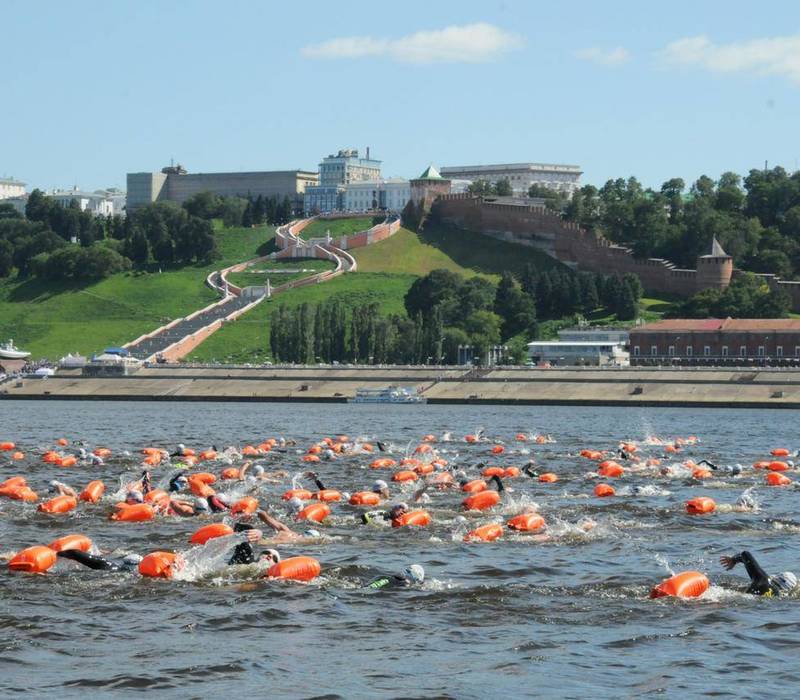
(389, 394)
(10, 352)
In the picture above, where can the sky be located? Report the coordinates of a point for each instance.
(94, 90)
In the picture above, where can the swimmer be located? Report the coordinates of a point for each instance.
(391, 515)
(217, 503)
(177, 483)
(134, 496)
(283, 533)
(259, 473)
(98, 562)
(179, 452)
(530, 470)
(381, 446)
(411, 575)
(60, 488)
(381, 488)
(760, 583)
(733, 469)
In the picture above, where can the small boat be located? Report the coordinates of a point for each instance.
(390, 394)
(10, 352)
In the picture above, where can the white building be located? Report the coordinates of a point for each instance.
(620, 336)
(9, 187)
(561, 178)
(392, 195)
(97, 203)
(346, 167)
(17, 202)
(587, 352)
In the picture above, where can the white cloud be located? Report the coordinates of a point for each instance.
(605, 57)
(778, 55)
(469, 43)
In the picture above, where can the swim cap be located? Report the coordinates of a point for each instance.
(272, 553)
(224, 498)
(746, 501)
(414, 573)
(379, 486)
(201, 504)
(295, 503)
(786, 581)
(135, 496)
(54, 485)
(258, 470)
(181, 447)
(312, 533)
(131, 559)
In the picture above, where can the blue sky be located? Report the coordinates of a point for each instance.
(94, 90)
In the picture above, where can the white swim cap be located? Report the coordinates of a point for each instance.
(786, 581)
(135, 496)
(295, 503)
(224, 498)
(131, 559)
(273, 553)
(380, 485)
(181, 447)
(258, 469)
(201, 504)
(312, 533)
(414, 573)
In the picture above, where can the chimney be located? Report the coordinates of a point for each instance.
(367, 152)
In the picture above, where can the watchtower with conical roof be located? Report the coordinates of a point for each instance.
(714, 270)
(428, 186)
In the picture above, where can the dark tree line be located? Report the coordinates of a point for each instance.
(746, 297)
(241, 211)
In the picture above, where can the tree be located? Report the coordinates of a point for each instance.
(8, 211)
(503, 188)
(137, 248)
(626, 307)
(6, 258)
(437, 287)
(515, 308)
(233, 209)
(481, 187)
(204, 205)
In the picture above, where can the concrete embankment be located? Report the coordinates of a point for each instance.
(728, 388)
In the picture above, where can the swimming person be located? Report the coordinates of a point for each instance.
(98, 562)
(760, 583)
(410, 576)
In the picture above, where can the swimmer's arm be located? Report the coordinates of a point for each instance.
(274, 523)
(243, 470)
(420, 492)
(65, 490)
(315, 477)
(496, 480)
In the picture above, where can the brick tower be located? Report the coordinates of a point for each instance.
(714, 271)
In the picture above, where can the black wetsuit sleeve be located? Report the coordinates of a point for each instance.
(319, 484)
(386, 582)
(498, 483)
(759, 581)
(710, 465)
(92, 561)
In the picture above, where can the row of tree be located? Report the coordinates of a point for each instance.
(241, 211)
(748, 296)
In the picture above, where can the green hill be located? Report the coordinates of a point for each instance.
(51, 319)
(338, 227)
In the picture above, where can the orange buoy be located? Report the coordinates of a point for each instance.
(302, 494)
(200, 488)
(481, 500)
(761, 465)
(132, 513)
(520, 437)
(610, 468)
(101, 452)
(485, 533)
(701, 473)
(548, 478)
(474, 486)
(157, 565)
(424, 469)
(13, 482)
(62, 544)
(778, 479)
(778, 466)
(59, 504)
(628, 447)
(498, 449)
(526, 522)
(700, 505)
(250, 451)
(689, 584)
(365, 498)
(93, 492)
(51, 457)
(152, 451)
(230, 473)
(314, 450)
(414, 518)
(671, 449)
(69, 461)
(18, 456)
(429, 438)
(189, 460)
(511, 472)
(422, 449)
(317, 512)
(158, 498)
(328, 495)
(209, 532)
(471, 438)
(382, 463)
(33, 560)
(405, 475)
(62, 441)
(202, 477)
(604, 491)
(442, 479)
(310, 458)
(489, 472)
(780, 452)
(7, 446)
(152, 460)
(245, 506)
(207, 455)
(20, 493)
(295, 569)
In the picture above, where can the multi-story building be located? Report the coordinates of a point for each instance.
(730, 341)
(562, 178)
(9, 187)
(391, 195)
(98, 203)
(175, 184)
(336, 173)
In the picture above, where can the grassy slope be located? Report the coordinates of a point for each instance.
(259, 273)
(50, 320)
(337, 227)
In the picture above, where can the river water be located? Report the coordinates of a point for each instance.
(568, 616)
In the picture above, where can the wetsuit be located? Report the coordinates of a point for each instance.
(173, 486)
(393, 581)
(96, 562)
(215, 505)
(243, 553)
(530, 471)
(760, 583)
(381, 446)
(729, 469)
(371, 515)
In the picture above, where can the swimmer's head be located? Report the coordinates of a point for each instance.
(134, 497)
(398, 510)
(181, 447)
(786, 581)
(271, 556)
(201, 505)
(224, 498)
(380, 487)
(312, 533)
(179, 483)
(414, 573)
(295, 504)
(746, 501)
(53, 486)
(131, 559)
(258, 470)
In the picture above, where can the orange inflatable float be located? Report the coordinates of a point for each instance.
(498, 449)
(7, 446)
(69, 461)
(230, 473)
(295, 569)
(328, 495)
(405, 475)
(511, 472)
(62, 544)
(548, 478)
(209, 532)
(474, 486)
(526, 522)
(778, 466)
(207, 455)
(604, 491)
(316, 512)
(157, 565)
(701, 473)
(485, 533)
(481, 501)
(101, 452)
(302, 494)
(133, 513)
(33, 560)
(520, 437)
(489, 472)
(59, 504)
(245, 506)
(700, 505)
(365, 498)
(93, 492)
(689, 584)
(780, 452)
(18, 456)
(424, 469)
(414, 518)
(778, 479)
(761, 465)
(382, 463)
(610, 468)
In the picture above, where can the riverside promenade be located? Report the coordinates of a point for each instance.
(704, 387)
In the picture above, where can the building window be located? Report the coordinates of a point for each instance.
(654, 349)
(671, 351)
(797, 350)
(761, 351)
(636, 350)
(707, 350)
(742, 351)
(689, 351)
(724, 350)
(779, 351)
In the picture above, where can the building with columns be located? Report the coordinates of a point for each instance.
(9, 187)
